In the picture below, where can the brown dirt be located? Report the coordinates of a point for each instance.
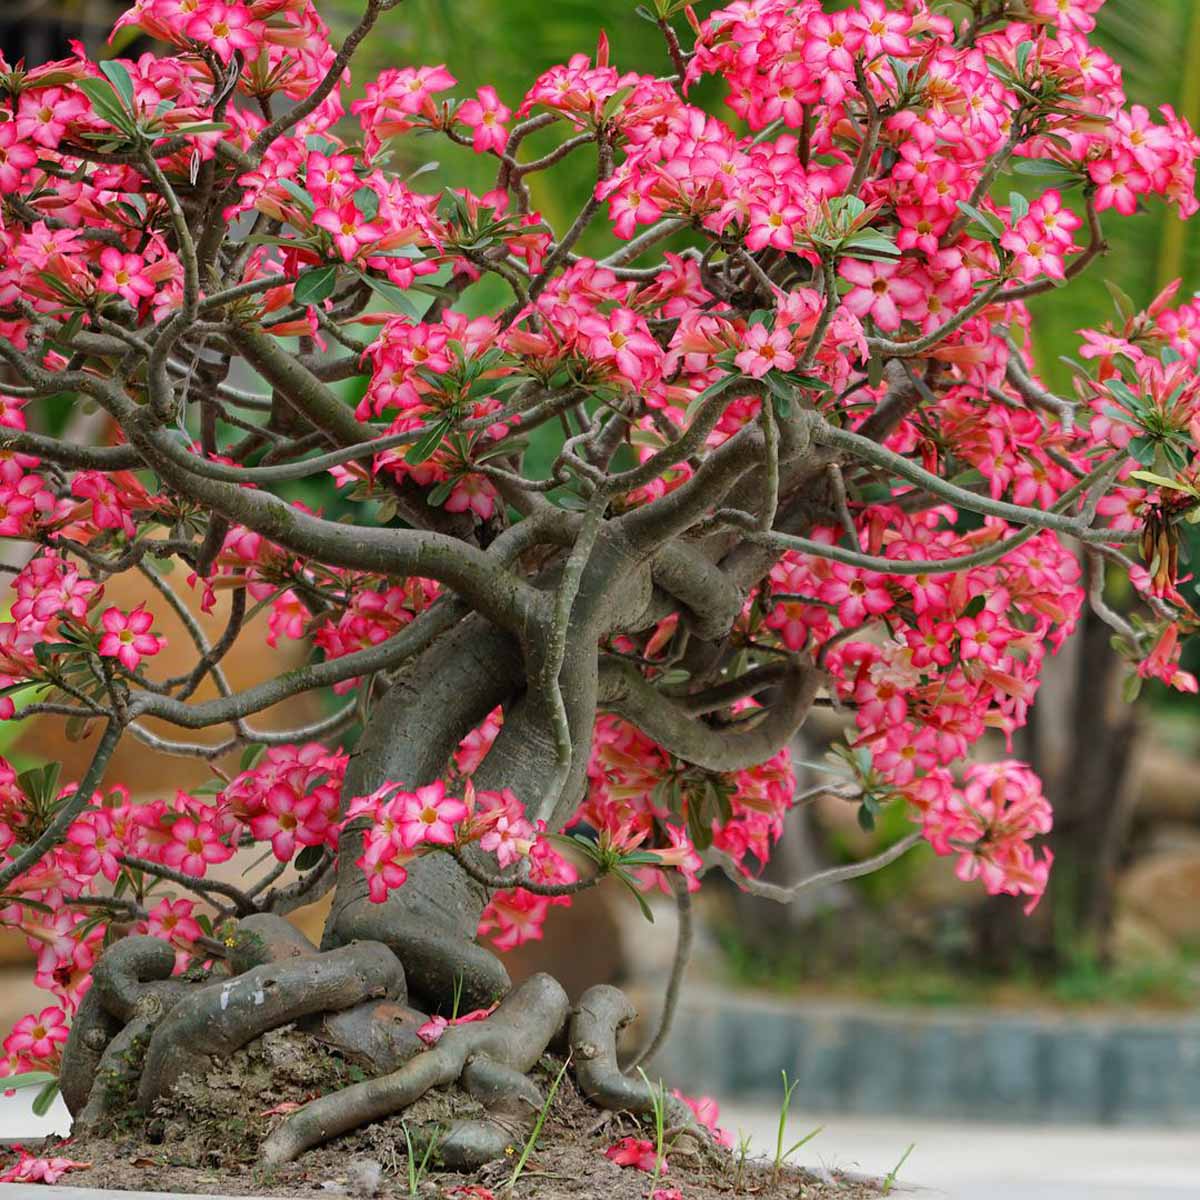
(206, 1139)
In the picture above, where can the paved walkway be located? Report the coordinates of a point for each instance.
(971, 1161)
(949, 1161)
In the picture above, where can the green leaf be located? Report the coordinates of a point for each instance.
(299, 194)
(106, 103)
(875, 369)
(309, 857)
(569, 501)
(1122, 391)
(1142, 449)
(986, 220)
(315, 286)
(251, 756)
(1042, 168)
(782, 393)
(366, 200)
(1125, 306)
(1022, 56)
(1161, 481)
(118, 76)
(635, 891)
(202, 127)
(640, 858)
(870, 242)
(812, 382)
(40, 784)
(715, 389)
(428, 444)
(28, 1079)
(1019, 206)
(395, 296)
(44, 1099)
(440, 494)
(975, 606)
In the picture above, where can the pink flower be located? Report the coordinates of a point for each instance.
(94, 843)
(431, 1032)
(857, 594)
(16, 157)
(31, 1169)
(879, 291)
(623, 339)
(486, 116)
(351, 230)
(38, 1037)
(225, 28)
(193, 845)
(981, 637)
(635, 1152)
(127, 637)
(172, 921)
(281, 822)
(766, 350)
(383, 869)
(125, 275)
(881, 31)
(428, 815)
(1120, 180)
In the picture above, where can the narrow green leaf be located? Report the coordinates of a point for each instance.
(428, 444)
(118, 76)
(309, 857)
(44, 1099)
(1041, 167)
(366, 200)
(391, 293)
(635, 891)
(986, 220)
(106, 103)
(315, 286)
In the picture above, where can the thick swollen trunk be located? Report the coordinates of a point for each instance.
(431, 921)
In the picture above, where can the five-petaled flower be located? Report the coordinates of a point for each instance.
(127, 636)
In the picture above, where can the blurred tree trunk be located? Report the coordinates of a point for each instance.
(41, 30)
(1081, 740)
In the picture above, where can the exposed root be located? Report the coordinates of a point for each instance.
(123, 970)
(223, 1016)
(512, 1101)
(437, 960)
(141, 1033)
(515, 1035)
(120, 1066)
(602, 1012)
(379, 1036)
(91, 1031)
(264, 938)
(131, 981)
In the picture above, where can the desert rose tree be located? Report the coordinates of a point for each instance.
(802, 458)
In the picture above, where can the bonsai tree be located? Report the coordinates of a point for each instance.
(598, 546)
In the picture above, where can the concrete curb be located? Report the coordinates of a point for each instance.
(982, 1064)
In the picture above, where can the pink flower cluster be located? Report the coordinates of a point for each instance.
(989, 822)
(641, 797)
(291, 798)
